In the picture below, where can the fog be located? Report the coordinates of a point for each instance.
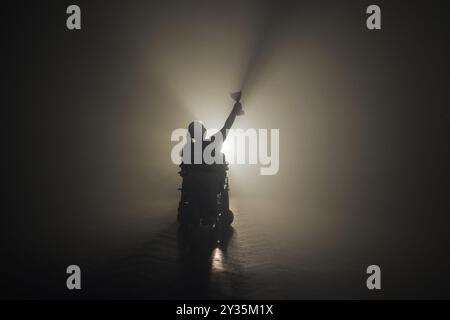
(99, 107)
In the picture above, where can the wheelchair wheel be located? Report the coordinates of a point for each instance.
(182, 216)
(227, 218)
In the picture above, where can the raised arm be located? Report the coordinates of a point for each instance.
(230, 120)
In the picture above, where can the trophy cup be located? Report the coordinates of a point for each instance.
(236, 96)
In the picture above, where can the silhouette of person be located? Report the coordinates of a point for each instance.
(202, 179)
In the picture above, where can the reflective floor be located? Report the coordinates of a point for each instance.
(243, 262)
(195, 262)
(268, 253)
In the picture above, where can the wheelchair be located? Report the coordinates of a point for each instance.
(190, 212)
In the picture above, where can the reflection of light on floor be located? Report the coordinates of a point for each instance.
(217, 260)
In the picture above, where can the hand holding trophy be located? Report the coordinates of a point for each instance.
(237, 97)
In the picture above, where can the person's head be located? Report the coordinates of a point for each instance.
(196, 127)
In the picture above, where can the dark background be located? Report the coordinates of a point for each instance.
(363, 118)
